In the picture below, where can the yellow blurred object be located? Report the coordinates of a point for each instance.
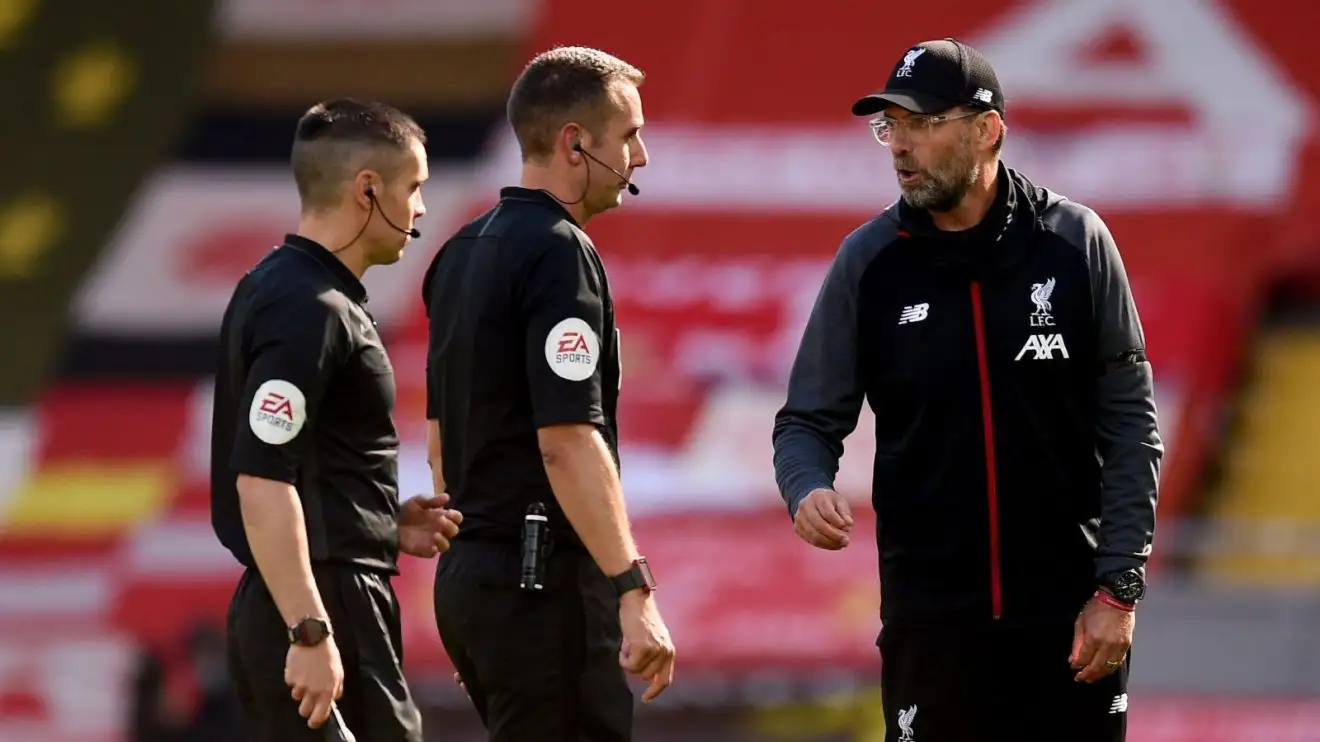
(14, 15)
(90, 498)
(1269, 504)
(90, 84)
(858, 714)
(28, 227)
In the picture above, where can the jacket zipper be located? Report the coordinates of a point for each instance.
(991, 487)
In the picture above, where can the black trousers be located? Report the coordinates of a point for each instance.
(539, 667)
(997, 684)
(376, 704)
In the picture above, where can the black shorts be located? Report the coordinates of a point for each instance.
(376, 704)
(539, 667)
(993, 684)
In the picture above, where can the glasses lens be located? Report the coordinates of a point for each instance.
(880, 129)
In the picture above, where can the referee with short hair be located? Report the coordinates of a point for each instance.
(545, 583)
(304, 470)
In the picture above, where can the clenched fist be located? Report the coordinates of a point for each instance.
(824, 520)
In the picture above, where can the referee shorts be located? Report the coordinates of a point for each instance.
(376, 704)
(539, 667)
(993, 684)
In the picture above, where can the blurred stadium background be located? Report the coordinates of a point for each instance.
(145, 168)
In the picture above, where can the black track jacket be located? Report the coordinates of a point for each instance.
(1017, 452)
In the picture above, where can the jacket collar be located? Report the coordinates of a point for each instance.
(995, 245)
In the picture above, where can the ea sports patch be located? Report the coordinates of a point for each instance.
(278, 412)
(572, 350)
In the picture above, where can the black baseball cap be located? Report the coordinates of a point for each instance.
(934, 76)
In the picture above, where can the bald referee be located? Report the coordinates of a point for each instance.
(304, 453)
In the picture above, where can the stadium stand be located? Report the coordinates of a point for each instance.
(1267, 504)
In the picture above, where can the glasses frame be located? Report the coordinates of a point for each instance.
(918, 125)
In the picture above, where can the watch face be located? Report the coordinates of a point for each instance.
(1128, 587)
(310, 632)
(647, 577)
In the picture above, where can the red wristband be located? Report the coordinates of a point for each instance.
(1111, 601)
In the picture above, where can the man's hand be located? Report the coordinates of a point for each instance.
(647, 650)
(1102, 635)
(824, 519)
(316, 676)
(426, 525)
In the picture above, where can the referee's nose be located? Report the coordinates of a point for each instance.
(637, 154)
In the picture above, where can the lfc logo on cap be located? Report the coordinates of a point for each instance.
(908, 59)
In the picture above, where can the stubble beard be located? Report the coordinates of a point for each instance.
(943, 187)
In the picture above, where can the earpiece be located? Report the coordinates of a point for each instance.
(370, 193)
(577, 147)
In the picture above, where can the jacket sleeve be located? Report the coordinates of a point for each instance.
(1127, 433)
(825, 390)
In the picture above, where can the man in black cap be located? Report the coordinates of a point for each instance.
(989, 324)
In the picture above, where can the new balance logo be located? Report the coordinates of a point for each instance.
(1119, 705)
(914, 313)
(1044, 347)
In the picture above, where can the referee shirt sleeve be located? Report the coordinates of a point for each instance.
(293, 346)
(561, 300)
(432, 397)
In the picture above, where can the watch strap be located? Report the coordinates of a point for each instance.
(638, 577)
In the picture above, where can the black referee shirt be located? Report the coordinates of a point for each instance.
(522, 336)
(304, 394)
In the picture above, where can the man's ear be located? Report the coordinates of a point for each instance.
(365, 187)
(991, 127)
(570, 136)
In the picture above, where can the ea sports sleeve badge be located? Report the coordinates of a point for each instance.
(572, 349)
(278, 412)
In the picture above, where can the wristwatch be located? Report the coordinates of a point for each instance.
(638, 577)
(309, 632)
(1127, 586)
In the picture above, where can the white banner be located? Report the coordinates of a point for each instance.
(841, 169)
(191, 234)
(282, 20)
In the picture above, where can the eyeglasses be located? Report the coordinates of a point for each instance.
(917, 128)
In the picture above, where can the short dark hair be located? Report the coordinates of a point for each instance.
(563, 85)
(335, 139)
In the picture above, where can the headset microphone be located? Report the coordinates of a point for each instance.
(633, 189)
(413, 233)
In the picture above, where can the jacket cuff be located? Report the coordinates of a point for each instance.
(1108, 565)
